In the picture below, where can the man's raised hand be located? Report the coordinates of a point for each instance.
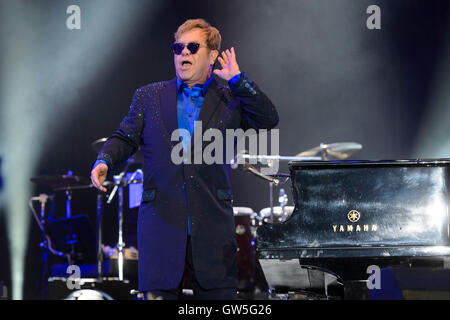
(229, 65)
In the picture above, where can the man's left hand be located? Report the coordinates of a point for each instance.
(229, 65)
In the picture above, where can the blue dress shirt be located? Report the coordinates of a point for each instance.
(189, 104)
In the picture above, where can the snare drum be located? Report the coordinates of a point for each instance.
(280, 214)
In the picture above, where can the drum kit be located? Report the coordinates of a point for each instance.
(246, 219)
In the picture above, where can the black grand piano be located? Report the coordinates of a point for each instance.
(350, 215)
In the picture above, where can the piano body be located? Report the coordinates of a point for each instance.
(350, 215)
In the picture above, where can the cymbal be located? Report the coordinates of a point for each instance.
(97, 145)
(63, 182)
(333, 151)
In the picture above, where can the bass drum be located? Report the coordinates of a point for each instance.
(251, 278)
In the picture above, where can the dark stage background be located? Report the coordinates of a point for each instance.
(332, 79)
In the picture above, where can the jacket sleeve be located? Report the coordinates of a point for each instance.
(125, 141)
(258, 111)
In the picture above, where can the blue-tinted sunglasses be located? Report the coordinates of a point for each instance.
(192, 47)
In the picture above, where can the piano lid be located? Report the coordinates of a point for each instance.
(381, 206)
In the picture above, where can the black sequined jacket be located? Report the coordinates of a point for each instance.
(172, 192)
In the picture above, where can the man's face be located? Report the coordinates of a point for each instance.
(194, 68)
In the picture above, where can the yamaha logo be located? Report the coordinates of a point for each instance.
(353, 216)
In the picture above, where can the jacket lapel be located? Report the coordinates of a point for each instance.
(210, 103)
(209, 107)
(169, 107)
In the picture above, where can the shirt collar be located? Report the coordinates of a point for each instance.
(203, 86)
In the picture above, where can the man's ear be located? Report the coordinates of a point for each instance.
(213, 56)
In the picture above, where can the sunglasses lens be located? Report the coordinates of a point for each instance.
(193, 47)
(177, 48)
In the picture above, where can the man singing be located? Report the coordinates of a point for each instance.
(186, 213)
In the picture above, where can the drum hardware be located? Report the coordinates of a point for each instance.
(282, 200)
(45, 245)
(128, 253)
(269, 160)
(139, 295)
(277, 214)
(67, 183)
(120, 181)
(88, 294)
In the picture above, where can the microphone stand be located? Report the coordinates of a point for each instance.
(119, 183)
(118, 186)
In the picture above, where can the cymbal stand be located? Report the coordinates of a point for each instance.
(282, 200)
(68, 201)
(119, 183)
(271, 200)
(68, 197)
